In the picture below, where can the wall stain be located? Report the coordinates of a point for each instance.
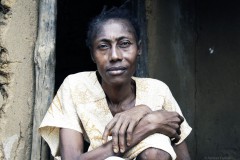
(19, 141)
(4, 9)
(5, 78)
(5, 71)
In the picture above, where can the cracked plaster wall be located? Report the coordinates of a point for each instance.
(18, 29)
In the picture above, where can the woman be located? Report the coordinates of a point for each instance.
(118, 114)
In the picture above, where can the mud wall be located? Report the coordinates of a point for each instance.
(18, 29)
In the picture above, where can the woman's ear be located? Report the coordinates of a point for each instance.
(93, 59)
(139, 47)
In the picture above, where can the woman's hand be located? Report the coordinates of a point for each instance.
(167, 123)
(122, 125)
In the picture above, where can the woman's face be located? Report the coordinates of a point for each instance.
(115, 51)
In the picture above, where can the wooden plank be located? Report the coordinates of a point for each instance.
(44, 59)
(142, 67)
(138, 8)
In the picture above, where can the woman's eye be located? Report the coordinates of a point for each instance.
(102, 46)
(125, 44)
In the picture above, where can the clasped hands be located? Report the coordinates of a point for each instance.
(122, 126)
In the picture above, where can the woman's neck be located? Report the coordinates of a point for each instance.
(120, 97)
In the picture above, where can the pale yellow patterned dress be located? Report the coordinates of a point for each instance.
(80, 104)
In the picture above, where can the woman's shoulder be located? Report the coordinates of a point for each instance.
(84, 87)
(151, 82)
(151, 90)
(82, 75)
(81, 80)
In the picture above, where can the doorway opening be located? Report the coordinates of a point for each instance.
(72, 54)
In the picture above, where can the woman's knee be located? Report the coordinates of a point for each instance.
(154, 154)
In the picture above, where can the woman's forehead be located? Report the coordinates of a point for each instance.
(115, 27)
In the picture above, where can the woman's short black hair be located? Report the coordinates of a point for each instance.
(113, 13)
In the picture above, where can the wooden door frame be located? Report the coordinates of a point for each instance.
(139, 10)
(44, 60)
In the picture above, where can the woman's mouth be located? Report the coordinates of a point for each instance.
(114, 71)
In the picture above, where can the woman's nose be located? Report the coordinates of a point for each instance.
(115, 55)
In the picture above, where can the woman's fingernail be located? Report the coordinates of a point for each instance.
(122, 150)
(128, 144)
(115, 150)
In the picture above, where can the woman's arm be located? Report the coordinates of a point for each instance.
(123, 124)
(72, 144)
(72, 147)
(168, 123)
(182, 151)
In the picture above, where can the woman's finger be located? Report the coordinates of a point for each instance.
(176, 138)
(181, 119)
(115, 134)
(108, 129)
(131, 126)
(122, 136)
(179, 131)
(174, 126)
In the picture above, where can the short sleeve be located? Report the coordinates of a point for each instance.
(170, 104)
(61, 114)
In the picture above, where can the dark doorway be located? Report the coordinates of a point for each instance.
(72, 55)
